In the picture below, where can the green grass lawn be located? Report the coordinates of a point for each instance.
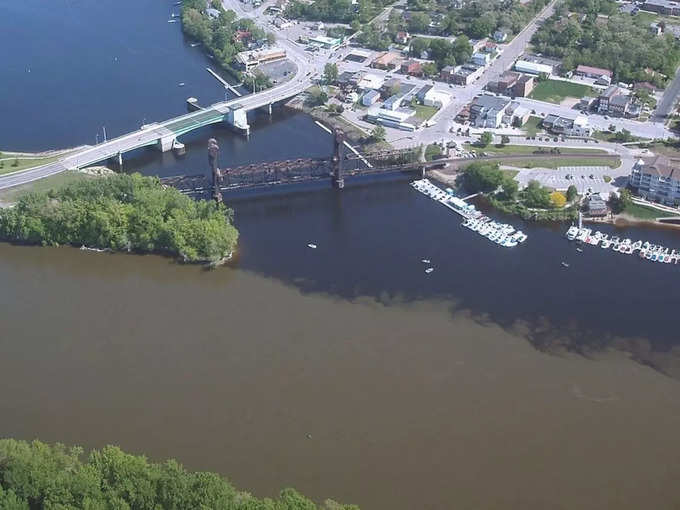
(608, 136)
(643, 212)
(645, 18)
(54, 181)
(531, 126)
(529, 162)
(499, 150)
(7, 163)
(424, 113)
(555, 91)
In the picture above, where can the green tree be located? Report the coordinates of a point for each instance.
(485, 138)
(419, 23)
(481, 176)
(537, 196)
(378, 133)
(509, 187)
(418, 45)
(572, 193)
(330, 72)
(505, 139)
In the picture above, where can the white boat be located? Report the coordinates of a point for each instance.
(429, 270)
(312, 246)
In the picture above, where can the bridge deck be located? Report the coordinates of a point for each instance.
(203, 118)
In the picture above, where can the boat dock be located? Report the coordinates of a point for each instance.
(499, 233)
(645, 250)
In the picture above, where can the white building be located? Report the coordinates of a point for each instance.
(524, 66)
(480, 59)
(371, 81)
(371, 97)
(657, 179)
(436, 98)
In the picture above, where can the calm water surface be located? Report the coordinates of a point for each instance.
(500, 380)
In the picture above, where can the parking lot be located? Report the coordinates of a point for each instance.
(565, 176)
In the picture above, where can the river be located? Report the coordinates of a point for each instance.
(500, 380)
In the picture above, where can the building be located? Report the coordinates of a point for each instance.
(412, 67)
(398, 119)
(347, 80)
(663, 7)
(526, 66)
(657, 179)
(281, 22)
(369, 98)
(569, 127)
(500, 36)
(624, 106)
(488, 111)
(387, 60)
(393, 102)
(402, 37)
(480, 59)
(586, 103)
(436, 98)
(242, 36)
(328, 43)
(516, 114)
(466, 74)
(505, 83)
(524, 86)
(594, 72)
(370, 82)
(606, 97)
(597, 206)
(250, 59)
(447, 73)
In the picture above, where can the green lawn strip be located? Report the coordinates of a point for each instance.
(643, 212)
(608, 136)
(424, 113)
(9, 164)
(532, 126)
(554, 163)
(499, 150)
(10, 195)
(554, 91)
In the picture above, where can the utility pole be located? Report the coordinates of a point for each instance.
(104, 129)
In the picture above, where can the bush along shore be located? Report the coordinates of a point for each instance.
(122, 213)
(535, 202)
(37, 475)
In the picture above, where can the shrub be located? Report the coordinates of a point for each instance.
(558, 199)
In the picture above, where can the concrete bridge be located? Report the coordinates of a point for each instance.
(164, 135)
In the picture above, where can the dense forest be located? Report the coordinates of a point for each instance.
(37, 476)
(123, 213)
(217, 35)
(618, 42)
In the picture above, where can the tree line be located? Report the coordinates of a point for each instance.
(217, 35)
(122, 213)
(620, 42)
(36, 475)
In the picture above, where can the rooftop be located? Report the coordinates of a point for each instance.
(663, 167)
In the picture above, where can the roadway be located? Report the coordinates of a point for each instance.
(152, 133)
(668, 99)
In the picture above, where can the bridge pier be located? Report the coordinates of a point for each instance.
(238, 119)
(166, 143)
(338, 159)
(117, 161)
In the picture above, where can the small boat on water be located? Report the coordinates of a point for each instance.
(564, 264)
(580, 250)
(425, 261)
(181, 84)
(172, 21)
(429, 270)
(312, 246)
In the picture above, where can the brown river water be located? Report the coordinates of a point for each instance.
(407, 406)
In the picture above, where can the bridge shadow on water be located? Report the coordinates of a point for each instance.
(371, 239)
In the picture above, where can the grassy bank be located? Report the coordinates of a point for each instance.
(556, 91)
(11, 195)
(10, 164)
(553, 163)
(500, 150)
(643, 212)
(532, 126)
